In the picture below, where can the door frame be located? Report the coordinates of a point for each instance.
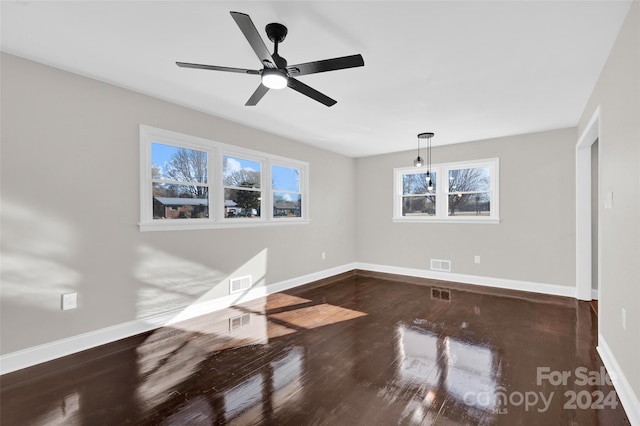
(584, 254)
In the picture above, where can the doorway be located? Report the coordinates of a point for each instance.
(587, 205)
(595, 197)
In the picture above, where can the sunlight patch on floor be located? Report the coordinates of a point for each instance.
(317, 316)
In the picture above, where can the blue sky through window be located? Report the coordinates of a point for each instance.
(234, 164)
(283, 178)
(162, 154)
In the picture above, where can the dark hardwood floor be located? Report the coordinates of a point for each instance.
(364, 350)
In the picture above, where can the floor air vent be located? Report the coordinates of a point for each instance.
(441, 294)
(440, 265)
(239, 284)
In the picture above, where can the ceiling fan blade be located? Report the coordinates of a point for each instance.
(253, 37)
(257, 95)
(334, 64)
(300, 87)
(216, 68)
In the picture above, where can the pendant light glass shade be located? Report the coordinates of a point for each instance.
(418, 162)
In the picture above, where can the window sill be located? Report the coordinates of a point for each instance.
(186, 224)
(486, 220)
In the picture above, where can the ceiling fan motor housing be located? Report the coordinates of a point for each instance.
(276, 32)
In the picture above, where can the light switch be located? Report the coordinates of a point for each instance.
(608, 200)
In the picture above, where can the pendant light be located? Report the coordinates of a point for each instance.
(418, 162)
(427, 136)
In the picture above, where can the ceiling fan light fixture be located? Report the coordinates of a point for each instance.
(274, 78)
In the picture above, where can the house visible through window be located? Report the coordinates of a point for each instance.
(285, 186)
(188, 182)
(179, 181)
(242, 187)
(459, 192)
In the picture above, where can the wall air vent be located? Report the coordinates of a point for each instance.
(440, 265)
(239, 284)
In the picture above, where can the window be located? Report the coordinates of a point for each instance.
(452, 192)
(179, 182)
(469, 192)
(241, 180)
(193, 183)
(285, 186)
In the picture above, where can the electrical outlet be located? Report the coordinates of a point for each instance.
(476, 259)
(69, 301)
(624, 319)
(324, 256)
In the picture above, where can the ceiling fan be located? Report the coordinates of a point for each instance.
(276, 74)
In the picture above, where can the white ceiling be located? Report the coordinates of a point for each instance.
(465, 70)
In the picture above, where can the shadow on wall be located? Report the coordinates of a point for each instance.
(37, 253)
(47, 255)
(169, 283)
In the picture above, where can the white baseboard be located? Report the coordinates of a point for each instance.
(627, 396)
(46, 352)
(594, 294)
(552, 289)
(38, 354)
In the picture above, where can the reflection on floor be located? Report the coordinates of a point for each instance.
(369, 349)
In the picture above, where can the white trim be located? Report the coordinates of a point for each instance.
(590, 134)
(442, 191)
(625, 392)
(187, 224)
(552, 289)
(46, 352)
(594, 294)
(454, 219)
(216, 151)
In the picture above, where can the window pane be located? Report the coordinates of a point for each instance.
(180, 164)
(241, 173)
(286, 204)
(285, 178)
(241, 203)
(418, 183)
(180, 202)
(468, 180)
(180, 191)
(469, 204)
(419, 206)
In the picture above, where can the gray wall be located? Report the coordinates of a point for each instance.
(69, 180)
(617, 92)
(535, 240)
(70, 208)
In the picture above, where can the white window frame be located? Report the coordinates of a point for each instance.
(302, 183)
(251, 156)
(215, 153)
(442, 191)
